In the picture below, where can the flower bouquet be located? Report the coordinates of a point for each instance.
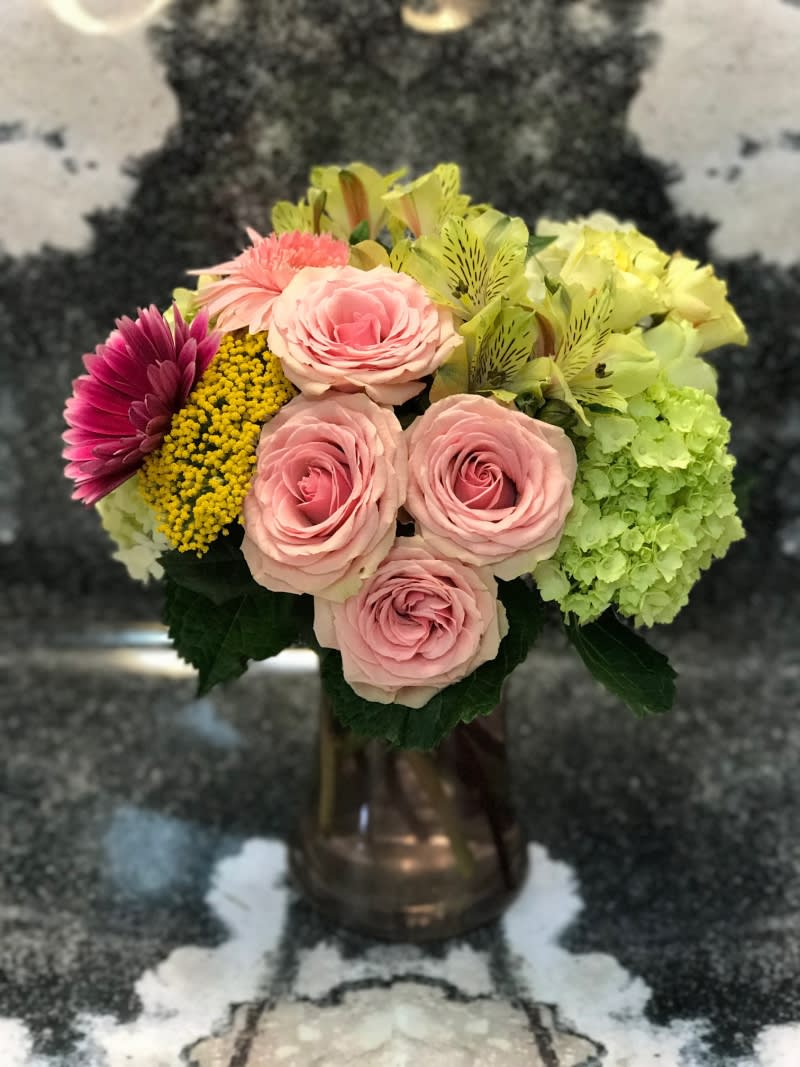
(396, 428)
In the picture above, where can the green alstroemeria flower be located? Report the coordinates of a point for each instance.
(422, 206)
(495, 358)
(339, 201)
(558, 349)
(577, 359)
(472, 263)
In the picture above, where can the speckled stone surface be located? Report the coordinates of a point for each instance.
(119, 795)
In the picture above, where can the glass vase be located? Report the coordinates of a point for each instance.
(410, 845)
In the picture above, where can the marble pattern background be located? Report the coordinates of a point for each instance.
(128, 157)
(129, 813)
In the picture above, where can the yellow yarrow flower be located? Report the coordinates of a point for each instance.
(198, 479)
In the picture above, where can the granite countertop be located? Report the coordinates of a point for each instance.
(145, 914)
(144, 877)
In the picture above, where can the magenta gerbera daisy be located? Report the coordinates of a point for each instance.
(257, 277)
(120, 411)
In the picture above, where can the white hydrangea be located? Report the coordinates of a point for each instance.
(132, 525)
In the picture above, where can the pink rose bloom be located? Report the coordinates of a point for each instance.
(254, 280)
(322, 510)
(489, 485)
(353, 330)
(420, 623)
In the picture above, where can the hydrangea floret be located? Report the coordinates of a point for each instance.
(132, 525)
(654, 505)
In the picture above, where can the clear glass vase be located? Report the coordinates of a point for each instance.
(410, 845)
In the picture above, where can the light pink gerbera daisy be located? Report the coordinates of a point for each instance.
(121, 410)
(258, 276)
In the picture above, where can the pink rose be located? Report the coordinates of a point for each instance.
(321, 513)
(370, 331)
(489, 485)
(420, 623)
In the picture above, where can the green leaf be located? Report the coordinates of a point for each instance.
(556, 412)
(625, 664)
(360, 233)
(478, 694)
(219, 574)
(538, 244)
(220, 638)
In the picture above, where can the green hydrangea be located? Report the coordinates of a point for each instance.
(132, 525)
(653, 507)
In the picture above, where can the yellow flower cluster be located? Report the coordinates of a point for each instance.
(196, 482)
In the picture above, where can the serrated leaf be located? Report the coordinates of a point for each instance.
(220, 574)
(478, 694)
(537, 244)
(220, 639)
(625, 664)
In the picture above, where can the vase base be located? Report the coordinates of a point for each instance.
(402, 899)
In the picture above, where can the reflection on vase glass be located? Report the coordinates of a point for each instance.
(409, 844)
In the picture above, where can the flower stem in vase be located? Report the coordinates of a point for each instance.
(430, 780)
(327, 769)
(399, 792)
(472, 756)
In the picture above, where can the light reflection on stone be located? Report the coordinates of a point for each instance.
(442, 16)
(123, 15)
